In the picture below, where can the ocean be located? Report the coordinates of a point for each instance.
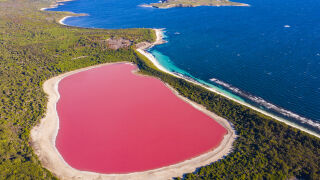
(267, 54)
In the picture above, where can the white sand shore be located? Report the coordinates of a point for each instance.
(143, 51)
(55, 4)
(43, 138)
(61, 21)
(59, 3)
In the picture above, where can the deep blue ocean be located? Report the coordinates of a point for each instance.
(266, 54)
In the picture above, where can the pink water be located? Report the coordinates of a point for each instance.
(114, 121)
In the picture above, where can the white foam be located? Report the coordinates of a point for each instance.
(268, 105)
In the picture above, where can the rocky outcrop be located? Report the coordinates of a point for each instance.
(118, 43)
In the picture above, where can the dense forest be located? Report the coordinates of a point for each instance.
(34, 48)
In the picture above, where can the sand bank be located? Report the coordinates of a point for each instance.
(43, 141)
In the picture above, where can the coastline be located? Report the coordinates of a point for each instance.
(61, 21)
(55, 4)
(159, 40)
(62, 168)
(44, 134)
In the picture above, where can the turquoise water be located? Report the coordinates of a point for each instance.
(267, 54)
(167, 63)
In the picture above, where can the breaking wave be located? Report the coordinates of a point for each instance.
(267, 105)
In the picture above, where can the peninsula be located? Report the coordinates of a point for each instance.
(164, 4)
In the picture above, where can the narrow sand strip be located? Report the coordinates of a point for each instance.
(43, 138)
(143, 51)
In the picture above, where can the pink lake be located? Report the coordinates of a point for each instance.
(114, 121)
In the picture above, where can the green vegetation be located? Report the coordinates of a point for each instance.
(34, 48)
(194, 3)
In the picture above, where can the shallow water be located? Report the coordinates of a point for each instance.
(270, 50)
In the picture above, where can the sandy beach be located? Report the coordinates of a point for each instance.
(63, 19)
(55, 4)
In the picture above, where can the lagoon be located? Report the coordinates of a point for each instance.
(112, 120)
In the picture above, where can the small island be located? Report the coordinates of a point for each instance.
(164, 4)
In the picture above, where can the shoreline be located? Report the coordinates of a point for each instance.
(49, 125)
(159, 40)
(61, 21)
(55, 4)
(43, 138)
